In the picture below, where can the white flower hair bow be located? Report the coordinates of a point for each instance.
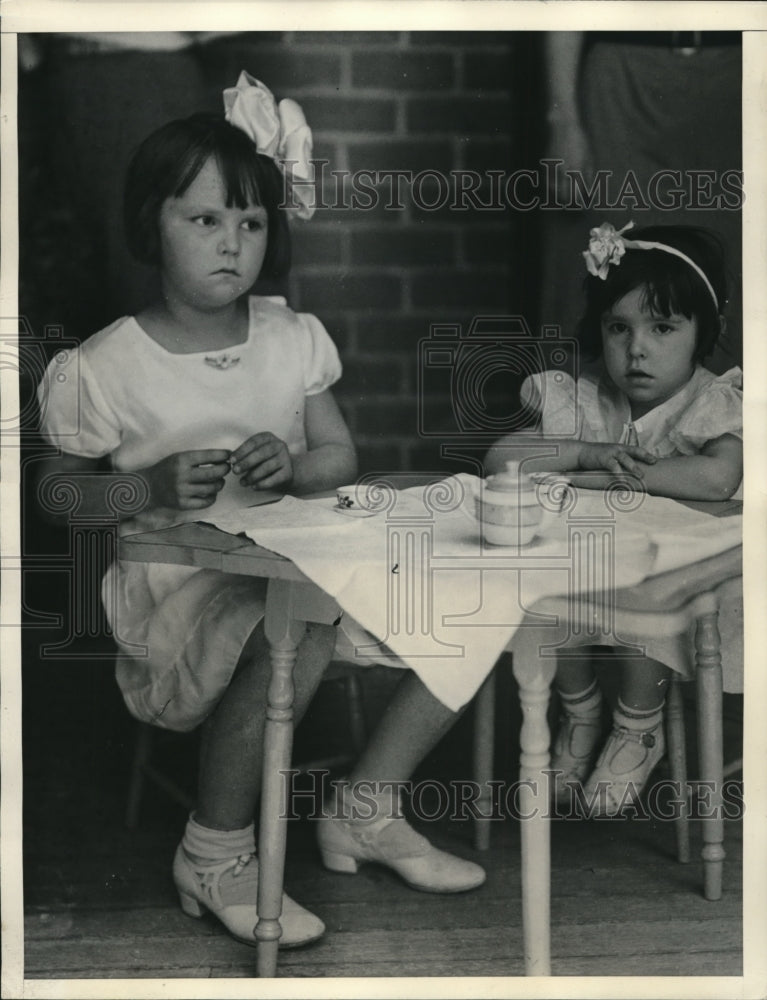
(279, 131)
(606, 247)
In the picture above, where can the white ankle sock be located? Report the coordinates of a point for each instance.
(586, 704)
(637, 719)
(217, 845)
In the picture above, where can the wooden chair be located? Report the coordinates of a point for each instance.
(676, 755)
(144, 767)
(667, 605)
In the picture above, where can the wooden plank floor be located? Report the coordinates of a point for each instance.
(100, 903)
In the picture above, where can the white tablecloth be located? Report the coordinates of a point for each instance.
(418, 576)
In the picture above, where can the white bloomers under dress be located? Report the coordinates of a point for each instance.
(591, 408)
(123, 395)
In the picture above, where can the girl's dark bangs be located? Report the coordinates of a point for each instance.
(240, 176)
(667, 286)
(667, 297)
(195, 161)
(237, 163)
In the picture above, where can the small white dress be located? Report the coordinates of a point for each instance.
(121, 394)
(591, 408)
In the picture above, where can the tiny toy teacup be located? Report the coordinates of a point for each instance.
(346, 496)
(352, 500)
(509, 508)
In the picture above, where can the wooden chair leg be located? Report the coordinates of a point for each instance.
(141, 754)
(355, 704)
(710, 748)
(143, 770)
(677, 758)
(483, 747)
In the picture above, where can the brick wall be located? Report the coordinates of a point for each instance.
(378, 276)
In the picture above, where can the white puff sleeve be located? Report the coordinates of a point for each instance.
(321, 364)
(552, 394)
(717, 410)
(74, 414)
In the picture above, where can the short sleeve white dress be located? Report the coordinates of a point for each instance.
(591, 408)
(182, 629)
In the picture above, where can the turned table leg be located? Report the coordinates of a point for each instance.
(677, 756)
(534, 674)
(284, 634)
(483, 759)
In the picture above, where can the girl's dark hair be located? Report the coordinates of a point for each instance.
(167, 162)
(670, 284)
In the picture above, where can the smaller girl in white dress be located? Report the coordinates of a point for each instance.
(647, 407)
(211, 395)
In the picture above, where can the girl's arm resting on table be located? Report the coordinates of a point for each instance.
(542, 454)
(264, 462)
(539, 454)
(713, 474)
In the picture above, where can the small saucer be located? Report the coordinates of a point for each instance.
(354, 511)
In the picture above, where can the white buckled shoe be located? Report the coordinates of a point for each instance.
(391, 841)
(229, 889)
(621, 772)
(575, 749)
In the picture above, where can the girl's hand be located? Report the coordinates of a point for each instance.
(188, 480)
(263, 462)
(568, 142)
(615, 458)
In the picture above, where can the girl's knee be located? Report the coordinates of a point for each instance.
(320, 639)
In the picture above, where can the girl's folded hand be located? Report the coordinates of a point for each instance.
(615, 458)
(263, 462)
(188, 480)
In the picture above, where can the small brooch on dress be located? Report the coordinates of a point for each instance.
(223, 361)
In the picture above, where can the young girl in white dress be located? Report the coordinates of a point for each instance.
(646, 406)
(211, 394)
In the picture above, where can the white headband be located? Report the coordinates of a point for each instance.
(607, 245)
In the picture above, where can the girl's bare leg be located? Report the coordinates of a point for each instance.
(576, 740)
(643, 683)
(232, 738)
(575, 673)
(414, 721)
(412, 725)
(214, 865)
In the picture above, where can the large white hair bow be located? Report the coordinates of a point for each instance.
(279, 131)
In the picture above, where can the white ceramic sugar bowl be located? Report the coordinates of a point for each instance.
(508, 505)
